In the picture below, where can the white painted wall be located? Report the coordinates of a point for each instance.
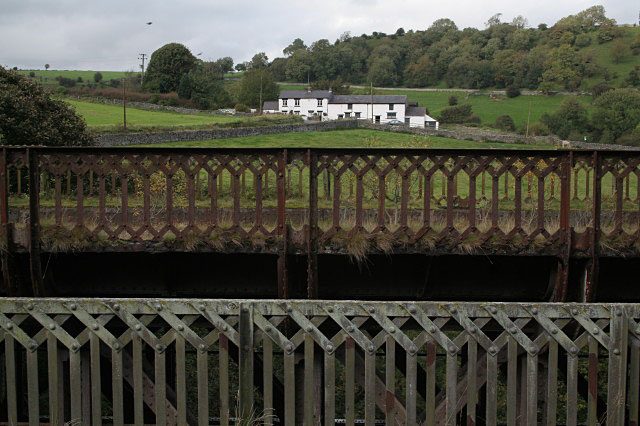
(335, 110)
(306, 105)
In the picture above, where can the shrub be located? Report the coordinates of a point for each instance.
(65, 82)
(455, 114)
(79, 79)
(114, 82)
(539, 129)
(97, 77)
(453, 100)
(473, 119)
(32, 74)
(600, 88)
(505, 122)
(512, 91)
(242, 108)
(582, 40)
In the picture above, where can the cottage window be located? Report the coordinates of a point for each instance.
(391, 115)
(296, 102)
(347, 114)
(390, 107)
(319, 102)
(349, 106)
(358, 115)
(284, 102)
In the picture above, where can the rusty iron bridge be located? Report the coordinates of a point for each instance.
(215, 286)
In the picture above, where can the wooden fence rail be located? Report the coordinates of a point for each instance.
(170, 361)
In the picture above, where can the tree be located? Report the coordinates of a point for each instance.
(28, 115)
(46, 66)
(633, 79)
(241, 67)
(225, 64)
(493, 21)
(456, 114)
(184, 88)
(97, 77)
(520, 22)
(250, 88)
(617, 112)
(259, 61)
(207, 86)
(297, 44)
(570, 117)
(505, 122)
(166, 67)
(619, 51)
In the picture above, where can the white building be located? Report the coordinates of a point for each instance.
(325, 105)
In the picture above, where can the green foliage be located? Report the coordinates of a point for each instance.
(32, 74)
(505, 122)
(607, 31)
(633, 79)
(512, 91)
(600, 88)
(184, 88)
(453, 100)
(65, 82)
(570, 117)
(619, 51)
(28, 115)
(258, 62)
(242, 108)
(582, 40)
(338, 87)
(252, 83)
(166, 67)
(297, 44)
(456, 114)
(617, 112)
(207, 86)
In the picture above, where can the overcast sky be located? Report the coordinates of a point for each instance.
(109, 35)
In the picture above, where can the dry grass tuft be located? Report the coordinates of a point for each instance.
(357, 245)
(192, 241)
(384, 242)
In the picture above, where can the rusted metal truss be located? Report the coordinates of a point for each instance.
(308, 201)
(169, 361)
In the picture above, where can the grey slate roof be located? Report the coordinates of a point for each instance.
(416, 112)
(366, 99)
(304, 94)
(270, 106)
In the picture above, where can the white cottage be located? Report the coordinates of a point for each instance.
(323, 104)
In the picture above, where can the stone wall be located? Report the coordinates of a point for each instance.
(240, 132)
(155, 107)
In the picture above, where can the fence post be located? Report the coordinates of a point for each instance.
(283, 247)
(8, 267)
(245, 402)
(592, 282)
(312, 237)
(617, 371)
(35, 264)
(562, 286)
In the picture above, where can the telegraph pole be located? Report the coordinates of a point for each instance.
(260, 92)
(124, 103)
(372, 119)
(142, 57)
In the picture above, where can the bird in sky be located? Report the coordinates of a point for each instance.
(149, 23)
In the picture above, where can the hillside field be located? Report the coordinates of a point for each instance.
(48, 78)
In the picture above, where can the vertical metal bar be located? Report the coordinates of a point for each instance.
(10, 362)
(592, 284)
(349, 378)
(592, 399)
(512, 380)
(138, 391)
(329, 388)
(79, 199)
(532, 389)
(617, 367)
(472, 397)
(34, 224)
(52, 372)
(223, 368)
(75, 389)
(246, 360)
(160, 387)
(267, 377)
(116, 384)
(289, 389)
(203, 386)
(33, 393)
(634, 382)
(283, 279)
(181, 382)
(309, 391)
(390, 379)
(552, 382)
(369, 387)
(96, 383)
(8, 265)
(412, 384)
(452, 381)
(492, 389)
(312, 237)
(572, 390)
(431, 383)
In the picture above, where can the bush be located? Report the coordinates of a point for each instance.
(582, 40)
(453, 100)
(32, 74)
(65, 82)
(473, 119)
(600, 89)
(242, 108)
(79, 79)
(455, 114)
(512, 91)
(539, 129)
(505, 122)
(114, 82)
(97, 77)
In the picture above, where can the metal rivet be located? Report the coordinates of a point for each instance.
(616, 351)
(413, 309)
(202, 346)
(9, 326)
(158, 307)
(596, 330)
(225, 328)
(329, 347)
(432, 330)
(493, 310)
(330, 309)
(52, 326)
(180, 327)
(372, 310)
(202, 307)
(453, 310)
(392, 330)
(33, 346)
(413, 349)
(30, 307)
(96, 327)
(534, 311)
(159, 347)
(289, 308)
(554, 331)
(116, 307)
(350, 329)
(371, 348)
(472, 329)
(574, 350)
(309, 329)
(73, 307)
(452, 349)
(574, 311)
(138, 327)
(493, 349)
(533, 350)
(74, 346)
(289, 347)
(116, 346)
(268, 329)
(512, 330)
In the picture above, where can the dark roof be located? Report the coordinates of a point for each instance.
(304, 94)
(366, 99)
(416, 112)
(270, 105)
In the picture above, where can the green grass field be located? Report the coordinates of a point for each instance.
(48, 78)
(602, 55)
(358, 138)
(105, 117)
